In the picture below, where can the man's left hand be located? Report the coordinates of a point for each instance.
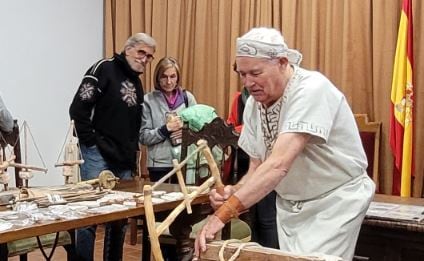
(208, 232)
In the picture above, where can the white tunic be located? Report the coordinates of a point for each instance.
(333, 158)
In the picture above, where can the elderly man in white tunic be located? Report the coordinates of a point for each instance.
(303, 142)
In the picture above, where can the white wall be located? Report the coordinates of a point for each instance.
(46, 47)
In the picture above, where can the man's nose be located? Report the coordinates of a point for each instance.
(144, 59)
(248, 81)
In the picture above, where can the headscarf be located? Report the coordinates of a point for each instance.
(265, 42)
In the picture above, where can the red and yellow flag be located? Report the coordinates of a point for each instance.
(402, 97)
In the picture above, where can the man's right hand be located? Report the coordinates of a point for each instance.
(217, 199)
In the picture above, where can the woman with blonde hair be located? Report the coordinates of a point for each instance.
(161, 127)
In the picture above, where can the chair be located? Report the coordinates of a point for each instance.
(370, 136)
(23, 246)
(218, 134)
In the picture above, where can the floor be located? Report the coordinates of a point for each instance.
(131, 253)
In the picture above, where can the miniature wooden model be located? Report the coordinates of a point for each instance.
(71, 155)
(26, 171)
(214, 180)
(105, 180)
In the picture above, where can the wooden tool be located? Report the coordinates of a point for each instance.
(71, 155)
(105, 180)
(156, 231)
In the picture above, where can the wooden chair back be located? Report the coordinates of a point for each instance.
(142, 172)
(216, 133)
(13, 140)
(370, 133)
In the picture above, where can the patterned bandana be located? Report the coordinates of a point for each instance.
(266, 43)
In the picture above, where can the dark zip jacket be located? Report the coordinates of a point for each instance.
(107, 111)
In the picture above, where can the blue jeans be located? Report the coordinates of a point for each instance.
(263, 221)
(114, 231)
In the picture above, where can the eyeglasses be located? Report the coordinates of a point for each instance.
(141, 53)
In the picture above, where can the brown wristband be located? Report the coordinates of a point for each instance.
(230, 209)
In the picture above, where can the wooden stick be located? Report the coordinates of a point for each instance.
(150, 219)
(182, 186)
(174, 170)
(24, 166)
(213, 167)
(69, 163)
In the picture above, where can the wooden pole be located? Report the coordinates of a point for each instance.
(150, 219)
(219, 186)
(182, 186)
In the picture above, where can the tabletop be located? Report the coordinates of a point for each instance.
(135, 186)
(393, 223)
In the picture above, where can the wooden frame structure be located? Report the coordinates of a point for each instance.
(22, 170)
(215, 180)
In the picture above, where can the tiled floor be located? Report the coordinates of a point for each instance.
(131, 253)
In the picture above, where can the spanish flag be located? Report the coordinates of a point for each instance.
(402, 110)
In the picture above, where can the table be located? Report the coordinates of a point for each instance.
(391, 240)
(70, 225)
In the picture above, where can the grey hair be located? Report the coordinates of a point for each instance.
(140, 38)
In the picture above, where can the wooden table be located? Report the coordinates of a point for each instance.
(69, 225)
(391, 240)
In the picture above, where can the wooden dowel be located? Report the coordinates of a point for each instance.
(97, 180)
(150, 219)
(213, 167)
(23, 166)
(69, 163)
(181, 181)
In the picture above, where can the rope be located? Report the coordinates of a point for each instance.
(25, 126)
(68, 139)
(239, 248)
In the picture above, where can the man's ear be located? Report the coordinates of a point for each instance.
(126, 50)
(283, 61)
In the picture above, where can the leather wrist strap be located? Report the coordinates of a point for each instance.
(230, 209)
